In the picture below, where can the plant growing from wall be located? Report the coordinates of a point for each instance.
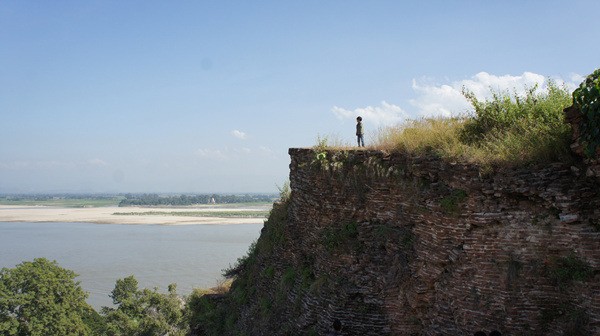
(288, 278)
(566, 269)
(242, 262)
(587, 99)
(341, 236)
(450, 203)
(320, 149)
(285, 192)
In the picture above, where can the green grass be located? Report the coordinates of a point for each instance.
(508, 129)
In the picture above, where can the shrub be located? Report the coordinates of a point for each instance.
(587, 99)
(204, 315)
(512, 128)
(285, 192)
(451, 202)
(564, 270)
(509, 129)
(242, 262)
(144, 312)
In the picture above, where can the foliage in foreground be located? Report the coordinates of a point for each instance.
(217, 314)
(41, 298)
(144, 312)
(508, 128)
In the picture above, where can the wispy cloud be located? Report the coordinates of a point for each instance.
(51, 164)
(211, 153)
(265, 150)
(239, 134)
(234, 153)
(378, 115)
(97, 162)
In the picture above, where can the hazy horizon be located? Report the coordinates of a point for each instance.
(85, 193)
(105, 96)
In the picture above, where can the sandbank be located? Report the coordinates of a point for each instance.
(106, 215)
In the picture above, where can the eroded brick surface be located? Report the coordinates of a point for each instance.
(398, 245)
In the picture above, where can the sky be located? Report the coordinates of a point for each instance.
(207, 96)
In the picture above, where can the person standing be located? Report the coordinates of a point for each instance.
(360, 132)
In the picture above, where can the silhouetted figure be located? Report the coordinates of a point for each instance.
(495, 333)
(337, 328)
(360, 134)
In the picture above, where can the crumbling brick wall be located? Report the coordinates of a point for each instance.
(406, 245)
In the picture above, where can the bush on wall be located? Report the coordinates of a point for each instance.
(587, 99)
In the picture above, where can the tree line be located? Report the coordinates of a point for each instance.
(179, 200)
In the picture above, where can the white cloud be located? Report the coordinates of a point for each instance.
(385, 114)
(444, 100)
(243, 150)
(239, 134)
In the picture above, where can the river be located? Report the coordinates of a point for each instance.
(192, 256)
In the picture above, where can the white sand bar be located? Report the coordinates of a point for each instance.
(106, 215)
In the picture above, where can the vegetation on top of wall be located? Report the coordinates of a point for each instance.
(507, 129)
(587, 100)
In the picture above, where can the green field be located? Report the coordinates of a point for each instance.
(84, 202)
(105, 201)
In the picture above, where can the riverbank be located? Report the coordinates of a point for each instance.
(132, 215)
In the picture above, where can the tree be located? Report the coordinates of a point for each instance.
(41, 298)
(144, 312)
(124, 289)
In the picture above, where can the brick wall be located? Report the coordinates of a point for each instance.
(399, 245)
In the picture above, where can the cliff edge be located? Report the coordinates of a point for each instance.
(404, 245)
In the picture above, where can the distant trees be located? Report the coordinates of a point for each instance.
(184, 200)
(41, 298)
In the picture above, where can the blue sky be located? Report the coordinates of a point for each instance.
(207, 96)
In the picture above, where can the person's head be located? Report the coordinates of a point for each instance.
(480, 333)
(495, 333)
(337, 325)
(358, 119)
